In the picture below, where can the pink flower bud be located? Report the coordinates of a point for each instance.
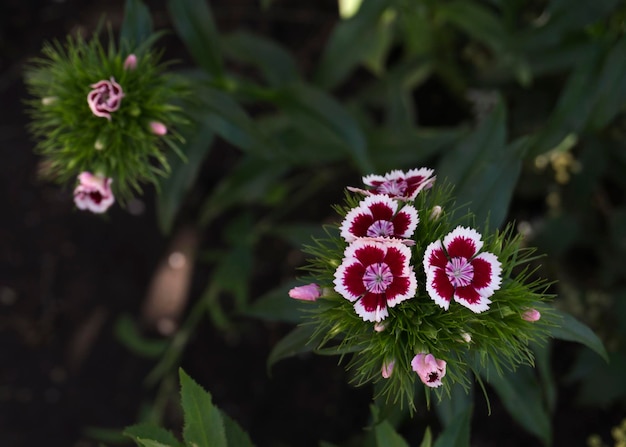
(105, 98)
(380, 326)
(531, 315)
(158, 128)
(310, 292)
(429, 369)
(93, 193)
(131, 62)
(387, 368)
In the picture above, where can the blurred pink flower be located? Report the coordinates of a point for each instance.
(131, 62)
(158, 128)
(105, 98)
(93, 193)
(387, 368)
(531, 315)
(310, 292)
(430, 369)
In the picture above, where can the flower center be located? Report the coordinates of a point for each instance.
(460, 272)
(377, 277)
(95, 196)
(433, 377)
(380, 228)
(394, 187)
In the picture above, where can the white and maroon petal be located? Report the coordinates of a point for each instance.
(487, 273)
(372, 307)
(434, 256)
(402, 288)
(355, 224)
(439, 287)
(417, 180)
(469, 297)
(366, 251)
(462, 242)
(405, 222)
(380, 207)
(397, 258)
(349, 279)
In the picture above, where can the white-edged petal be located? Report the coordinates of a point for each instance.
(496, 273)
(377, 314)
(465, 233)
(414, 219)
(340, 274)
(479, 306)
(434, 294)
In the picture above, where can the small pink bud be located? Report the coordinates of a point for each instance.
(158, 128)
(387, 368)
(131, 62)
(430, 369)
(466, 337)
(380, 326)
(310, 292)
(436, 212)
(531, 315)
(93, 193)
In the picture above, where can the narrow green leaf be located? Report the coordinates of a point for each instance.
(457, 434)
(204, 426)
(386, 436)
(194, 23)
(573, 330)
(275, 62)
(151, 436)
(427, 441)
(137, 25)
(294, 343)
(127, 333)
(521, 394)
(183, 174)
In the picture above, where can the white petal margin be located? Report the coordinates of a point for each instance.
(393, 175)
(340, 288)
(433, 246)
(364, 209)
(410, 293)
(464, 232)
(414, 219)
(378, 315)
(496, 274)
(440, 300)
(478, 307)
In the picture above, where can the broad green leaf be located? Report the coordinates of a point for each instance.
(194, 23)
(137, 25)
(542, 361)
(183, 174)
(457, 433)
(275, 62)
(204, 426)
(349, 43)
(294, 343)
(149, 435)
(571, 329)
(520, 392)
(456, 404)
(427, 441)
(127, 333)
(386, 436)
(599, 385)
(235, 435)
(276, 305)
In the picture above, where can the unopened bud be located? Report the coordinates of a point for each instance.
(436, 212)
(158, 128)
(131, 62)
(49, 100)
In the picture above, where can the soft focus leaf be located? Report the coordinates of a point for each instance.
(427, 441)
(183, 174)
(276, 305)
(128, 334)
(455, 405)
(194, 23)
(151, 436)
(571, 329)
(235, 435)
(521, 394)
(386, 436)
(457, 433)
(294, 343)
(137, 25)
(204, 426)
(275, 63)
(610, 87)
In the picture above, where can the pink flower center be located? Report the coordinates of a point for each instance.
(377, 277)
(396, 187)
(95, 196)
(460, 272)
(380, 228)
(433, 377)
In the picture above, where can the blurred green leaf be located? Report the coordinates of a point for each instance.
(610, 86)
(137, 24)
(294, 343)
(600, 385)
(451, 407)
(235, 435)
(520, 393)
(386, 436)
(427, 441)
(149, 435)
(194, 23)
(350, 42)
(275, 62)
(457, 433)
(276, 305)
(183, 174)
(571, 329)
(204, 426)
(127, 333)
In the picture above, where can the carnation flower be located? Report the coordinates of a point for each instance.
(429, 369)
(375, 276)
(456, 270)
(378, 216)
(398, 184)
(93, 193)
(105, 98)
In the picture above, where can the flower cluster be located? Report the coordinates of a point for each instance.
(385, 281)
(103, 117)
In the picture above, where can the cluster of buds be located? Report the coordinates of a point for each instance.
(102, 118)
(401, 275)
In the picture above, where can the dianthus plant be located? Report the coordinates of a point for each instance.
(418, 296)
(102, 116)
